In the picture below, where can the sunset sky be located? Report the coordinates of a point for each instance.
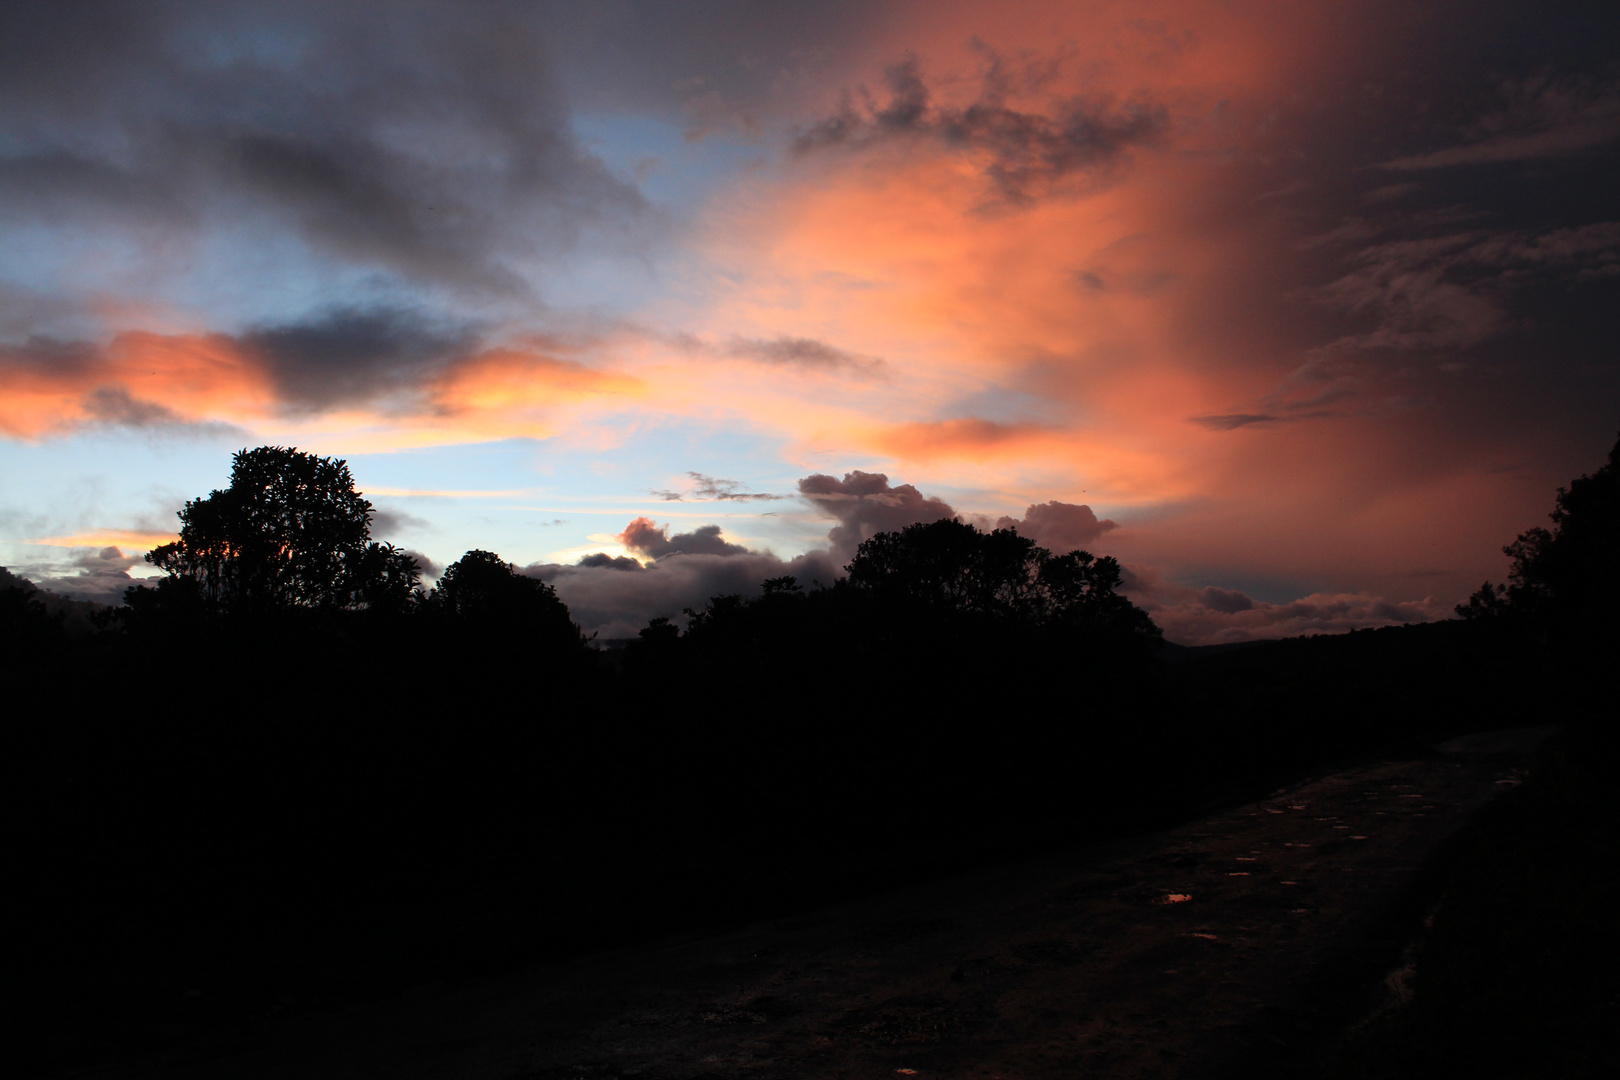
(1301, 310)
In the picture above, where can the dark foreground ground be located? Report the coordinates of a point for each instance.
(1246, 943)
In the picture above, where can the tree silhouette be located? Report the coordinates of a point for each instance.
(488, 597)
(950, 565)
(1568, 577)
(25, 624)
(289, 533)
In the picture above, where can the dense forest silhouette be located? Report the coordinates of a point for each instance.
(288, 769)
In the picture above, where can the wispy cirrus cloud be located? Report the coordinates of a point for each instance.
(1540, 117)
(707, 488)
(802, 352)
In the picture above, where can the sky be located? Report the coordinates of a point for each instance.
(1301, 311)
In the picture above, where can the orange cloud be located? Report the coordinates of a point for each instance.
(519, 392)
(134, 539)
(139, 379)
(150, 380)
(959, 438)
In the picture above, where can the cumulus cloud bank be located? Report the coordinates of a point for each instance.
(1189, 615)
(1059, 527)
(614, 596)
(102, 575)
(865, 504)
(645, 537)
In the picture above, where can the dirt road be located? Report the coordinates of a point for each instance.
(1179, 954)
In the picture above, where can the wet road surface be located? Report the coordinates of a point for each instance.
(1158, 956)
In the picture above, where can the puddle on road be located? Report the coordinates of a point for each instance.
(1174, 898)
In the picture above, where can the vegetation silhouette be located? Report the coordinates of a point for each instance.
(1564, 581)
(950, 566)
(289, 533)
(487, 595)
(289, 772)
(27, 628)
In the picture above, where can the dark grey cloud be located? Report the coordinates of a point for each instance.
(647, 538)
(601, 560)
(106, 560)
(348, 355)
(1060, 527)
(865, 504)
(716, 66)
(1232, 421)
(387, 524)
(429, 141)
(114, 405)
(1229, 601)
(340, 356)
(802, 352)
(1030, 154)
(429, 568)
(42, 355)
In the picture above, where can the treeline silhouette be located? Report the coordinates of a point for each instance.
(287, 772)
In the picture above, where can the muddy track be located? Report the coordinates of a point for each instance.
(1170, 955)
